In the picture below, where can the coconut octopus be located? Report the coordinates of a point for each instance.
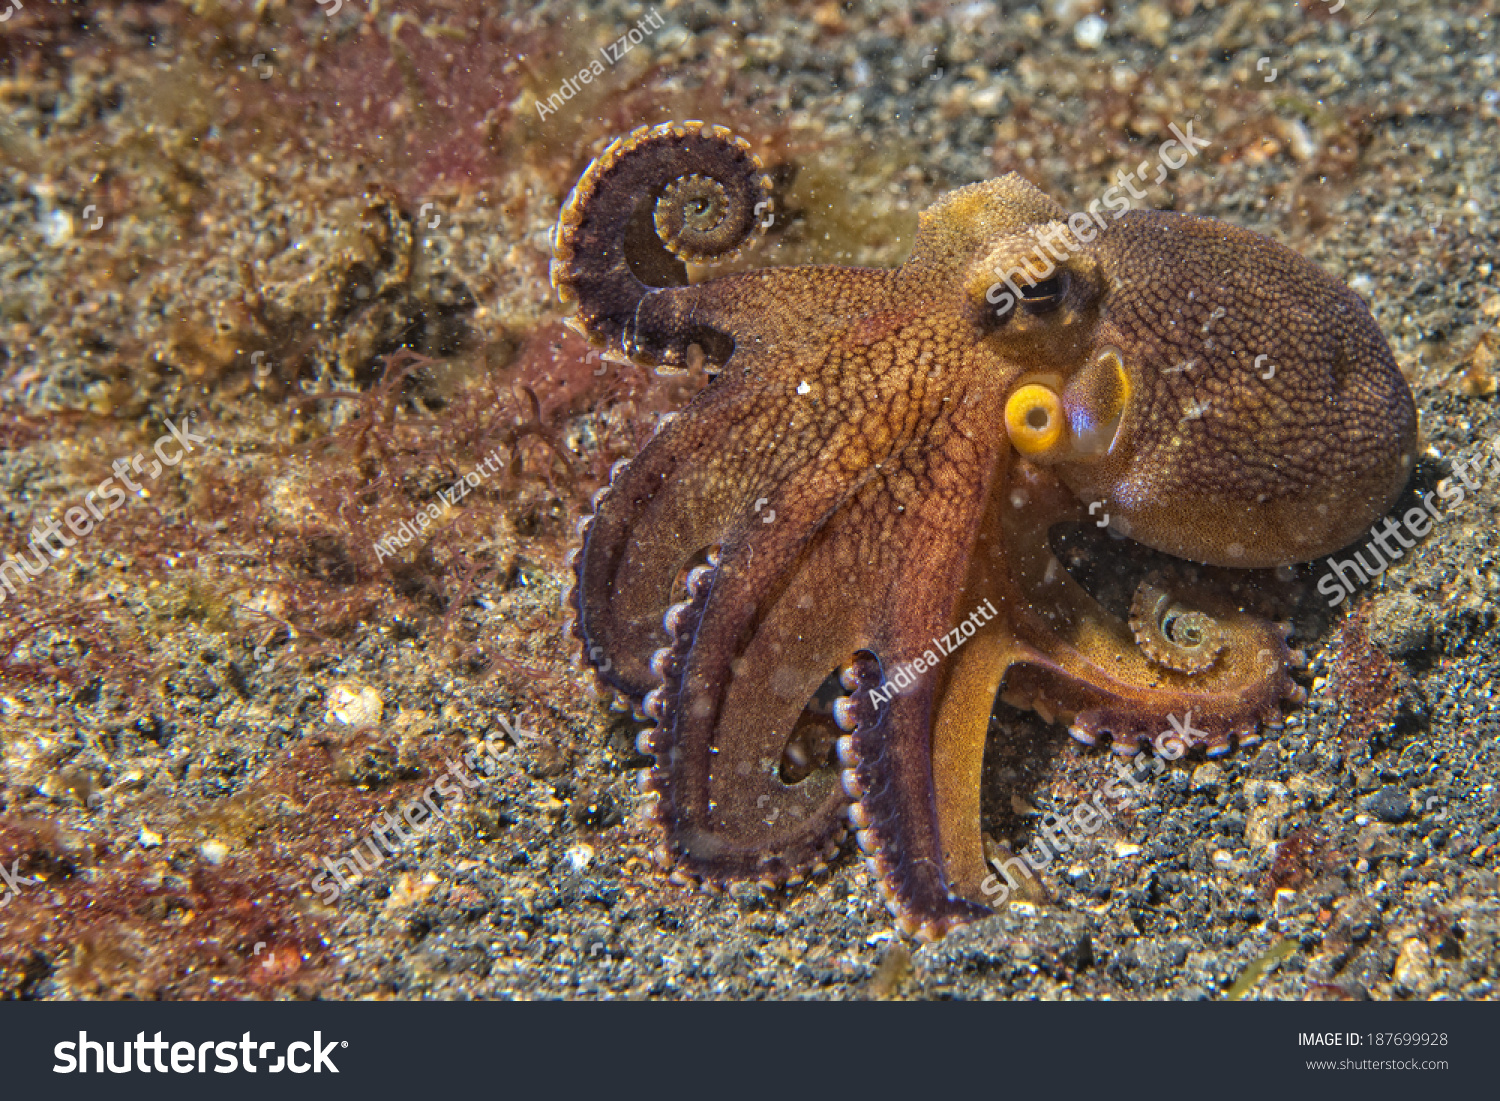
(851, 521)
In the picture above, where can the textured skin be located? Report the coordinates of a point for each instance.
(867, 412)
(1270, 465)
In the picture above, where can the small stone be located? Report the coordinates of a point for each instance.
(987, 100)
(1286, 902)
(891, 971)
(214, 851)
(1271, 801)
(353, 705)
(1413, 968)
(1401, 625)
(1223, 858)
(1206, 776)
(1375, 841)
(409, 891)
(1126, 848)
(1089, 32)
(1315, 788)
(1298, 139)
(1069, 12)
(1478, 381)
(56, 228)
(829, 17)
(1153, 23)
(1389, 804)
(150, 839)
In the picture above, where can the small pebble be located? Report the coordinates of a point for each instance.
(57, 228)
(1375, 841)
(353, 705)
(1401, 625)
(1089, 32)
(1413, 968)
(1389, 804)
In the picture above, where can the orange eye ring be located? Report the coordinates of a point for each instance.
(1034, 420)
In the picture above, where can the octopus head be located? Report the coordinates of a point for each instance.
(1225, 399)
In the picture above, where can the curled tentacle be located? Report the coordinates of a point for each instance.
(1107, 681)
(697, 222)
(1171, 633)
(653, 200)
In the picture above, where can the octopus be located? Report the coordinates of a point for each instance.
(817, 578)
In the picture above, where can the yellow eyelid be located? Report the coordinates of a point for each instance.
(1035, 420)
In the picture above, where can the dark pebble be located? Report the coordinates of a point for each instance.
(1388, 804)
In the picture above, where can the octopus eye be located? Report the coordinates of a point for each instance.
(1034, 419)
(1043, 297)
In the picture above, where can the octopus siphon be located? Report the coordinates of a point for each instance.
(846, 539)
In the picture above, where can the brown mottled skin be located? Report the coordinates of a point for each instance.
(868, 410)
